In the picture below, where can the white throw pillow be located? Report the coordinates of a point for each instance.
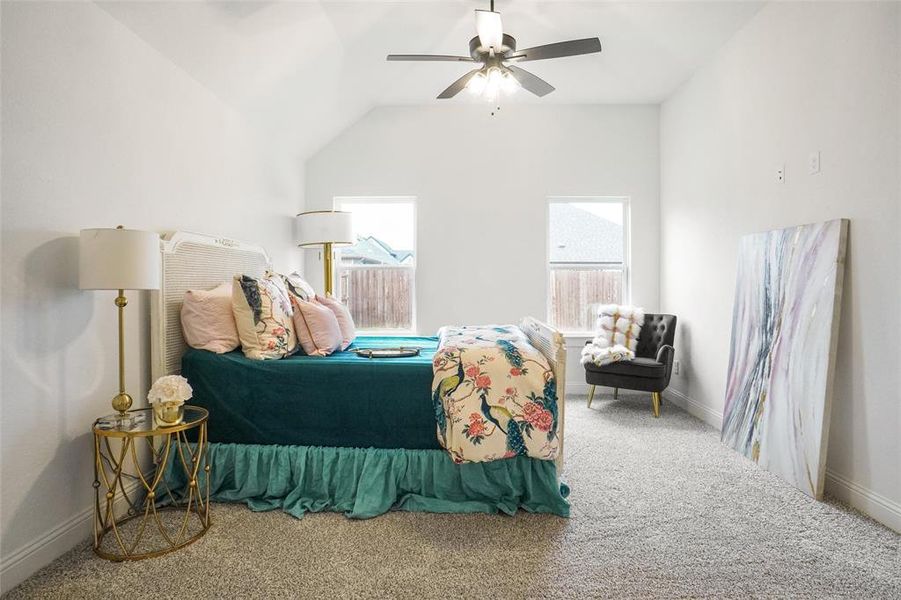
(617, 336)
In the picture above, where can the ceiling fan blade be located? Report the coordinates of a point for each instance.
(429, 58)
(558, 50)
(457, 86)
(532, 83)
(489, 28)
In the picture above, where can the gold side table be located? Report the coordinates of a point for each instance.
(136, 514)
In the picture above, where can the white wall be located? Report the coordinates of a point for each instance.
(98, 130)
(800, 77)
(482, 184)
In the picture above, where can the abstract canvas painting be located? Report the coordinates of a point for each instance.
(784, 342)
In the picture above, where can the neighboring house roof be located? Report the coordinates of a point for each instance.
(581, 236)
(369, 250)
(576, 236)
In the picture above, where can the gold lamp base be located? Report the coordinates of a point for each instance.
(122, 402)
(328, 267)
(122, 420)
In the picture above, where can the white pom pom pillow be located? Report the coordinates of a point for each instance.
(620, 325)
(617, 337)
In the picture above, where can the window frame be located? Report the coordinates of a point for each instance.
(626, 265)
(337, 203)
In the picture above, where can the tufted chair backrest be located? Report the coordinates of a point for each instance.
(657, 331)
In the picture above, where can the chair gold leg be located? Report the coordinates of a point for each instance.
(615, 393)
(655, 402)
(590, 396)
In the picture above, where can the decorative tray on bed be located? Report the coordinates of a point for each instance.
(400, 352)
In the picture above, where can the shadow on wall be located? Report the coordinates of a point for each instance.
(683, 354)
(43, 378)
(59, 312)
(848, 405)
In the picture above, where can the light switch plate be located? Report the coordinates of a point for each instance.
(813, 163)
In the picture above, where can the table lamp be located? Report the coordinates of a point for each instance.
(119, 259)
(326, 228)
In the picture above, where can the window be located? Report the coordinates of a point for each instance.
(588, 260)
(376, 275)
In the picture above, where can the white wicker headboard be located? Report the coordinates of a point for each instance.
(192, 261)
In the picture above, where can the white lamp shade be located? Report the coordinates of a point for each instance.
(118, 259)
(319, 227)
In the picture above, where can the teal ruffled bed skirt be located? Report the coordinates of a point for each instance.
(366, 482)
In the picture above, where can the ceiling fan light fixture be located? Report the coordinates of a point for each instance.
(476, 85)
(496, 52)
(489, 29)
(509, 83)
(494, 84)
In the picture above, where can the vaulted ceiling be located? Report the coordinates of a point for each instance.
(307, 70)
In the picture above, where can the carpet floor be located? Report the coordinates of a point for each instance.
(659, 510)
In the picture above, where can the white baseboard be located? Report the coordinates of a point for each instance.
(576, 388)
(693, 407)
(880, 508)
(22, 563)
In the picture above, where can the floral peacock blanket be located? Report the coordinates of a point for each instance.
(494, 395)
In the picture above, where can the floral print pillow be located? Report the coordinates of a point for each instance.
(263, 314)
(297, 286)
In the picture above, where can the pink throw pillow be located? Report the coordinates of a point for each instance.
(207, 320)
(317, 327)
(345, 321)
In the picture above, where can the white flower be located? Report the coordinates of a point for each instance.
(170, 388)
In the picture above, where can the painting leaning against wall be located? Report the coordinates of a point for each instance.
(784, 342)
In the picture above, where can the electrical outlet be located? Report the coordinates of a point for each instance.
(780, 174)
(813, 163)
(677, 366)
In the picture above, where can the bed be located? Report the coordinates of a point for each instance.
(340, 400)
(308, 434)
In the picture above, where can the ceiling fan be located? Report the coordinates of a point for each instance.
(494, 49)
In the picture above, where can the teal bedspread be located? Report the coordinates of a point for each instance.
(339, 400)
(366, 482)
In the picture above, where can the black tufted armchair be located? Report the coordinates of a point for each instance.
(650, 370)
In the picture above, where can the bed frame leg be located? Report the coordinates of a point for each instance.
(590, 395)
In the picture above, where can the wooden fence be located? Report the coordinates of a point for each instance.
(381, 297)
(378, 297)
(577, 293)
